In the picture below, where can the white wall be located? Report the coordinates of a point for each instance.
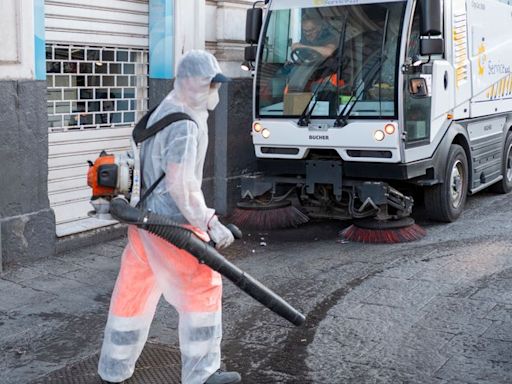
(189, 26)
(225, 33)
(17, 39)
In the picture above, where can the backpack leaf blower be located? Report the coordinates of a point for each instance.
(116, 178)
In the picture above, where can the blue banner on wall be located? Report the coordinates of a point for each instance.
(161, 39)
(39, 41)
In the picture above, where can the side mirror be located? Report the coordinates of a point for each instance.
(253, 24)
(250, 53)
(432, 46)
(431, 17)
(431, 25)
(249, 58)
(418, 87)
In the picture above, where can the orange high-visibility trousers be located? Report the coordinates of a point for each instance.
(152, 267)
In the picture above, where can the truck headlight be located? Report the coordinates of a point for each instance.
(265, 133)
(379, 135)
(257, 127)
(389, 129)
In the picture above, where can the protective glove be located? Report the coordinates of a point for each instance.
(220, 235)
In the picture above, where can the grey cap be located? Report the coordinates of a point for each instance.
(220, 78)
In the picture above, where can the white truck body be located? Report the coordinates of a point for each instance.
(468, 101)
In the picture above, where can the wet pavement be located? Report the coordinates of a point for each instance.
(438, 310)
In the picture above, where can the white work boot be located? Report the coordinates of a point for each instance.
(222, 377)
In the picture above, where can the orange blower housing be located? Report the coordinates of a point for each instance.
(102, 176)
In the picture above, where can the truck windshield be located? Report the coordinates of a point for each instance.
(322, 56)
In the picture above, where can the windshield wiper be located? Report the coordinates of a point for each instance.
(367, 79)
(306, 114)
(341, 119)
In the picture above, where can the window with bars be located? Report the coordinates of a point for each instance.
(95, 87)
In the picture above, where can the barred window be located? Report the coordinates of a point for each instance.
(95, 87)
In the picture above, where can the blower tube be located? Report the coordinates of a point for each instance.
(186, 239)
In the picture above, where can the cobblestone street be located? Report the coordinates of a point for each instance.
(434, 311)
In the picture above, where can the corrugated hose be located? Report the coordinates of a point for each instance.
(184, 238)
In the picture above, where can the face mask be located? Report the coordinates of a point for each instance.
(213, 99)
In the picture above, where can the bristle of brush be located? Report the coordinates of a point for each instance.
(383, 236)
(267, 219)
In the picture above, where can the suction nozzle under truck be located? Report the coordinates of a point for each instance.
(405, 97)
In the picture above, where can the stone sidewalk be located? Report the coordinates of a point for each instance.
(51, 311)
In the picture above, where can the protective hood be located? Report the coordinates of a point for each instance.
(193, 78)
(180, 150)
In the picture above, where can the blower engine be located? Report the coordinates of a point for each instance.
(110, 176)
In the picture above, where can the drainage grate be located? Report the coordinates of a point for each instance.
(158, 364)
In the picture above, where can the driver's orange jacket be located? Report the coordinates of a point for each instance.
(333, 79)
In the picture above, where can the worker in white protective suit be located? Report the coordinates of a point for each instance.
(151, 266)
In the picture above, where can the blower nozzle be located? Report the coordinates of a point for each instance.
(184, 238)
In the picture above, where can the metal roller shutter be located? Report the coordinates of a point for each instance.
(97, 69)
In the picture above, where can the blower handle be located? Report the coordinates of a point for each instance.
(237, 233)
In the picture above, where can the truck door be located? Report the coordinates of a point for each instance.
(417, 92)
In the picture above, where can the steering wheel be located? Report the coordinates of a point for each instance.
(305, 56)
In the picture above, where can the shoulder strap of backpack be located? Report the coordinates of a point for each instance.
(150, 189)
(141, 133)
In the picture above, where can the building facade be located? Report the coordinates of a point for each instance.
(76, 76)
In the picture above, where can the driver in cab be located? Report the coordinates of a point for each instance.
(317, 46)
(316, 36)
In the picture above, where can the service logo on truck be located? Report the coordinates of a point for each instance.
(493, 68)
(482, 58)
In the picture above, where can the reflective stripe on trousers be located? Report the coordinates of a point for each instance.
(151, 267)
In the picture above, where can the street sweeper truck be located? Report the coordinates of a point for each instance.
(362, 105)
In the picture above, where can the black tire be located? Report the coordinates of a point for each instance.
(505, 185)
(445, 202)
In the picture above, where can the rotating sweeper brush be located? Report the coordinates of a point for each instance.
(255, 215)
(383, 231)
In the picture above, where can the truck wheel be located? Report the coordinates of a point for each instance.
(445, 202)
(505, 185)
